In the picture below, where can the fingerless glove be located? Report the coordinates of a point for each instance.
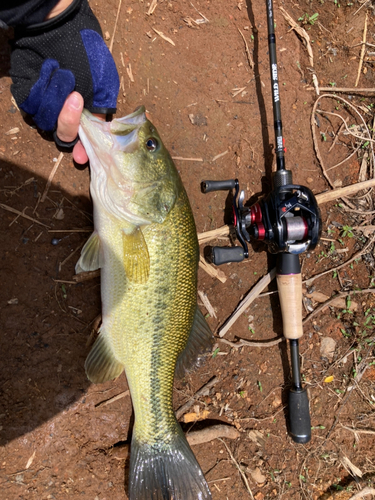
(51, 59)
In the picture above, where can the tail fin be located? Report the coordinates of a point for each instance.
(166, 472)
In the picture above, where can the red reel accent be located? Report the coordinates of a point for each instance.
(256, 214)
(261, 231)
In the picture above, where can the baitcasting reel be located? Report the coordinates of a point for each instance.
(288, 219)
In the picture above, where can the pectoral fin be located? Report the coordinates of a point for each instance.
(200, 342)
(136, 257)
(90, 259)
(100, 364)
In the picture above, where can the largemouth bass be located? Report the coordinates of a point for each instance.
(145, 244)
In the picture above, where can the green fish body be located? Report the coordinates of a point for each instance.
(146, 245)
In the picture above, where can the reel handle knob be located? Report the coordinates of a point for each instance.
(208, 186)
(223, 255)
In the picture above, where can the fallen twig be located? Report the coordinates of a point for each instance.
(356, 12)
(249, 58)
(244, 304)
(211, 433)
(355, 256)
(366, 491)
(152, 8)
(250, 343)
(21, 214)
(213, 234)
(161, 34)
(212, 271)
(346, 90)
(315, 140)
(203, 391)
(51, 176)
(70, 256)
(333, 299)
(306, 39)
(363, 50)
(114, 29)
(70, 230)
(358, 431)
(86, 276)
(186, 159)
(220, 155)
(243, 475)
(112, 400)
(207, 303)
(200, 13)
(345, 191)
(130, 72)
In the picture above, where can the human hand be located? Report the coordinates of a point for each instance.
(51, 60)
(68, 123)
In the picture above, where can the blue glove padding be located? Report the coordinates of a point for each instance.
(66, 53)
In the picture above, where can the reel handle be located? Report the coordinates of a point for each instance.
(223, 255)
(208, 186)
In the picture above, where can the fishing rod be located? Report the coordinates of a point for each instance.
(288, 221)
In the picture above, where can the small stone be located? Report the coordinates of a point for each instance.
(258, 476)
(327, 348)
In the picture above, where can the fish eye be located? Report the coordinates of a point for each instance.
(152, 144)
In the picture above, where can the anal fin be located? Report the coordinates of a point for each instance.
(90, 259)
(100, 364)
(199, 343)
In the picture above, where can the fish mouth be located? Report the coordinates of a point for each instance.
(118, 135)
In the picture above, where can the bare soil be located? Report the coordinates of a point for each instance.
(57, 440)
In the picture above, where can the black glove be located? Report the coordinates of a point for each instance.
(51, 59)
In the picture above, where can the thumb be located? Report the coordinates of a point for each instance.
(68, 121)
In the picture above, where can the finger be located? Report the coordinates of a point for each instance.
(79, 154)
(68, 121)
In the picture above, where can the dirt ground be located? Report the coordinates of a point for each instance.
(214, 112)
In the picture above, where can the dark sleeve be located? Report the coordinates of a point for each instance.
(24, 12)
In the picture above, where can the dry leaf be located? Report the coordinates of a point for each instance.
(59, 215)
(258, 476)
(259, 496)
(350, 467)
(338, 302)
(12, 131)
(257, 437)
(193, 417)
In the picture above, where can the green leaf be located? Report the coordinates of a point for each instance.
(216, 351)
